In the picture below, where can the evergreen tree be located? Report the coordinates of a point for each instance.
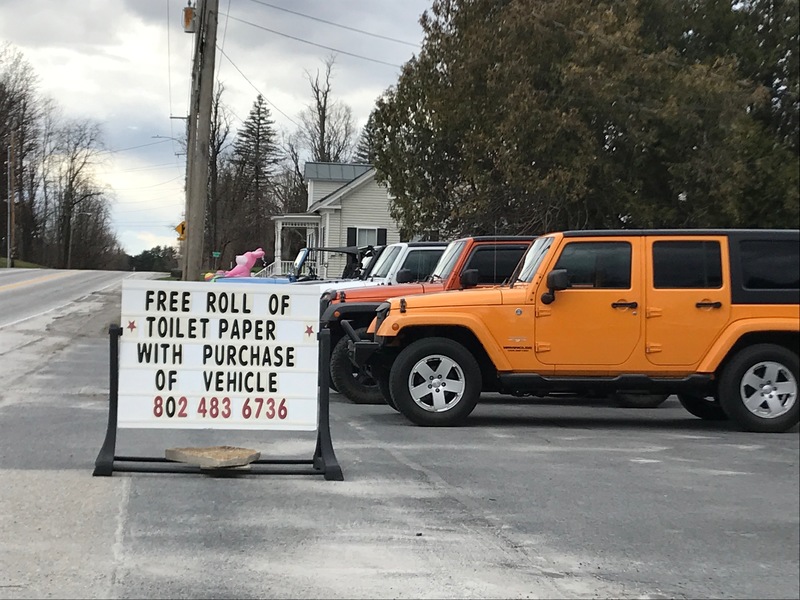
(256, 155)
(637, 113)
(365, 150)
(248, 184)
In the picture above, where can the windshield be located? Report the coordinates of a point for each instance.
(298, 261)
(448, 260)
(533, 258)
(385, 261)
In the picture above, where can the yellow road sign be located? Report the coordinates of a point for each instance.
(181, 229)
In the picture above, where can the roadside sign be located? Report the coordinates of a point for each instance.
(216, 254)
(181, 229)
(193, 356)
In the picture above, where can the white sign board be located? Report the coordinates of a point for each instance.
(197, 355)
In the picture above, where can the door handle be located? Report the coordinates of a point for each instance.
(624, 304)
(709, 305)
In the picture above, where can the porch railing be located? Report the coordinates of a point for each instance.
(286, 267)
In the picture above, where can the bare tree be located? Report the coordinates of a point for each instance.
(220, 141)
(327, 129)
(79, 144)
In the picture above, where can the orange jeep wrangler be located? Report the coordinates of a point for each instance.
(709, 315)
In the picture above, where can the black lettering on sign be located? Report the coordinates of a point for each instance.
(273, 383)
(155, 353)
(243, 329)
(164, 301)
(278, 304)
(228, 302)
(193, 322)
(176, 327)
(240, 381)
(242, 355)
(166, 379)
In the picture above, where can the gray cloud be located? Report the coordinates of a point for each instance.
(127, 65)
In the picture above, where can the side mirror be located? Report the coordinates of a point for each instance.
(469, 278)
(557, 280)
(405, 276)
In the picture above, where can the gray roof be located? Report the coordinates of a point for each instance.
(321, 171)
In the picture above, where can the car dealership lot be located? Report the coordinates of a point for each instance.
(545, 498)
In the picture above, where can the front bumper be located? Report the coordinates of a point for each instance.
(360, 352)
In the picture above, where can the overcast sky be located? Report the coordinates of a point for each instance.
(127, 65)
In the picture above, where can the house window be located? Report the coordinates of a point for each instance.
(366, 236)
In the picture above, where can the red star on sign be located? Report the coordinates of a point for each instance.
(131, 325)
(310, 330)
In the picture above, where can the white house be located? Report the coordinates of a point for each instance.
(346, 207)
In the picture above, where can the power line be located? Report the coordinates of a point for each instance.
(144, 224)
(169, 62)
(224, 33)
(148, 186)
(375, 35)
(170, 165)
(132, 147)
(291, 37)
(169, 74)
(254, 86)
(138, 210)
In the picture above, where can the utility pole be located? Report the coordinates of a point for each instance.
(199, 132)
(11, 198)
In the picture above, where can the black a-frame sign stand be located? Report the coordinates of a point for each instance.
(322, 463)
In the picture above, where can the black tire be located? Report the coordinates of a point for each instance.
(706, 408)
(758, 389)
(356, 385)
(447, 362)
(639, 400)
(381, 376)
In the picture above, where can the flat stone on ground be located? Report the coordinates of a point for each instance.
(213, 457)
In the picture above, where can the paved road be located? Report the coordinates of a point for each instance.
(546, 499)
(26, 293)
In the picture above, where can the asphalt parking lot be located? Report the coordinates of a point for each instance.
(551, 498)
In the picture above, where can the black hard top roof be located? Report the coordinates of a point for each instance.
(781, 233)
(499, 238)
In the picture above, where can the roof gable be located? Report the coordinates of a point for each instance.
(335, 196)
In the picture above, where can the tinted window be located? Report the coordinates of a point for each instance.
(532, 259)
(421, 262)
(496, 264)
(448, 259)
(690, 265)
(385, 261)
(770, 265)
(604, 265)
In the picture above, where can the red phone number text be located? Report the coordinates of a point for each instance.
(220, 408)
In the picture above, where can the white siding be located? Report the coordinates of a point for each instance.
(335, 262)
(317, 190)
(368, 206)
